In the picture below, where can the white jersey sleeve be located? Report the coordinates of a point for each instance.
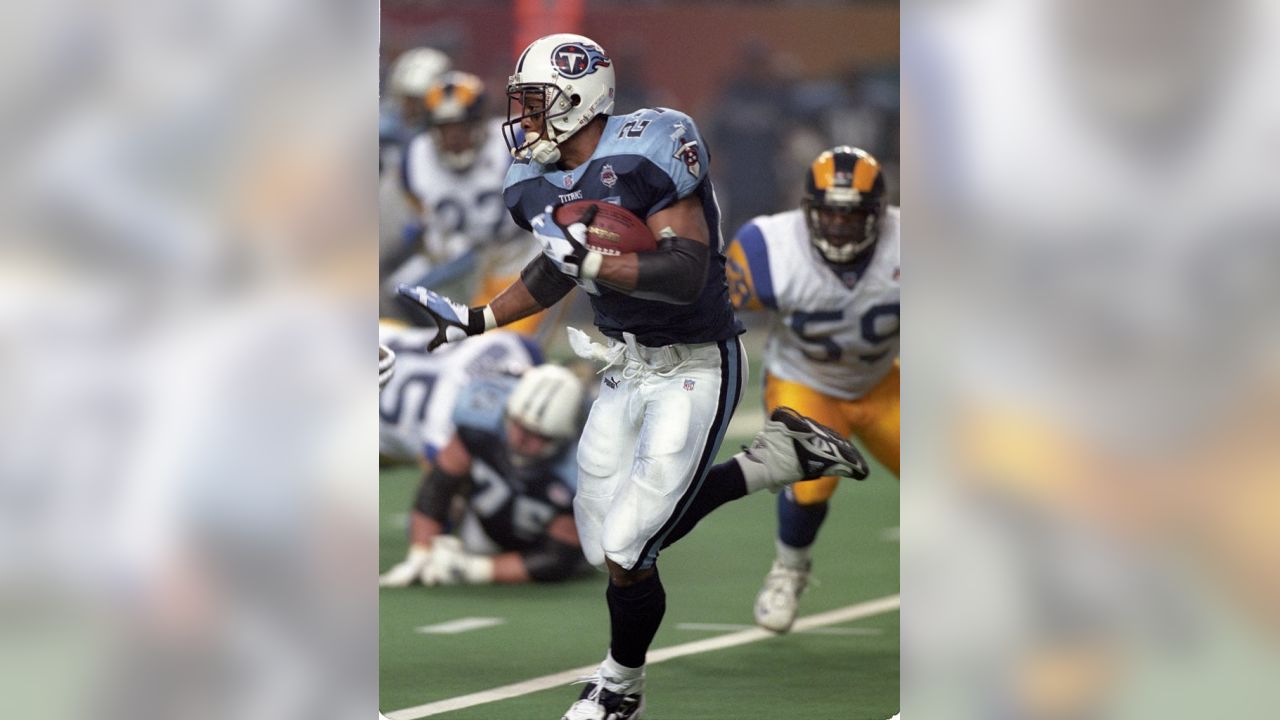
(836, 335)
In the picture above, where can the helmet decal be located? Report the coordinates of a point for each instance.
(574, 59)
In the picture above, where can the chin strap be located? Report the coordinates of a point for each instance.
(541, 151)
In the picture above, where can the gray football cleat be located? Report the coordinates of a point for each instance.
(792, 447)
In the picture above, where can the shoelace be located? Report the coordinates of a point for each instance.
(598, 678)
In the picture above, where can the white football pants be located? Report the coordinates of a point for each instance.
(650, 439)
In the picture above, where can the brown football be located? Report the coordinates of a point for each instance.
(611, 229)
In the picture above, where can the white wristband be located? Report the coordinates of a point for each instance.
(591, 265)
(490, 320)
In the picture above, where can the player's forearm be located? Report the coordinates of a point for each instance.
(514, 303)
(422, 529)
(508, 567)
(675, 273)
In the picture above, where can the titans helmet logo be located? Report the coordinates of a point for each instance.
(575, 60)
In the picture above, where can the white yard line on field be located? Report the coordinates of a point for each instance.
(461, 625)
(730, 627)
(742, 637)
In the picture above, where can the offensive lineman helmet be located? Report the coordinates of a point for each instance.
(843, 200)
(410, 76)
(546, 404)
(413, 71)
(569, 81)
(455, 104)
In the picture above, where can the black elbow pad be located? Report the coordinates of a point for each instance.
(675, 273)
(544, 282)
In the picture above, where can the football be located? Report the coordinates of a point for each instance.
(611, 229)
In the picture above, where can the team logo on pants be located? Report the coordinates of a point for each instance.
(688, 385)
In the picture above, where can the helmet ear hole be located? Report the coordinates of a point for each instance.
(575, 100)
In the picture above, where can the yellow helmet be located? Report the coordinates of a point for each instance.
(455, 105)
(843, 200)
(454, 97)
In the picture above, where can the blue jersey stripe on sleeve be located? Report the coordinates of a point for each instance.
(753, 246)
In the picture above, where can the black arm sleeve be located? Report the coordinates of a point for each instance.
(436, 493)
(675, 273)
(553, 560)
(545, 283)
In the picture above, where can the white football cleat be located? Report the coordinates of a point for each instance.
(605, 699)
(779, 599)
(792, 447)
(407, 571)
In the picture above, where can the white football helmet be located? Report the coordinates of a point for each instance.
(547, 401)
(414, 71)
(573, 76)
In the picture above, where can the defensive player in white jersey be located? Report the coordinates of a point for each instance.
(674, 365)
(827, 273)
(453, 175)
(415, 406)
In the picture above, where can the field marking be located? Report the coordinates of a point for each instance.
(742, 637)
(461, 625)
(730, 627)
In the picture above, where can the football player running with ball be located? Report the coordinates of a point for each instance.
(828, 275)
(674, 365)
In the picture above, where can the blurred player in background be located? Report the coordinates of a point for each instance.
(402, 115)
(674, 365)
(828, 275)
(452, 177)
(415, 406)
(511, 462)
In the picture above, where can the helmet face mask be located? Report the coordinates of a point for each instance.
(543, 413)
(532, 123)
(841, 232)
(458, 143)
(561, 83)
(529, 446)
(843, 201)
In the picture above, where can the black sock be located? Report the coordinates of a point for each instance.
(798, 524)
(635, 612)
(724, 482)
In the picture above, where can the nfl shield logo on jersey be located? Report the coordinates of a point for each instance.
(688, 385)
(608, 176)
